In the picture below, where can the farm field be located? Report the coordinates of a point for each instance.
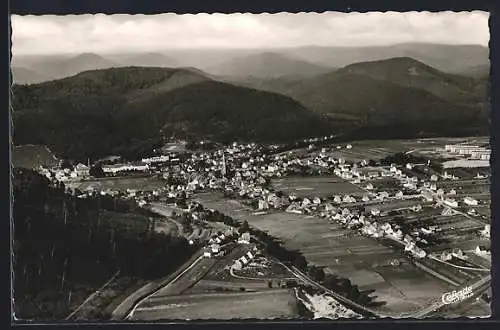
(120, 183)
(269, 304)
(320, 186)
(31, 156)
(342, 252)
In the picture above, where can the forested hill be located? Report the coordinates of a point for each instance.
(65, 247)
(129, 110)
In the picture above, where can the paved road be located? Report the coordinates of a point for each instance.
(477, 288)
(181, 282)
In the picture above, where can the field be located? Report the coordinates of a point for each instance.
(320, 186)
(121, 183)
(270, 304)
(208, 290)
(129, 222)
(31, 156)
(344, 253)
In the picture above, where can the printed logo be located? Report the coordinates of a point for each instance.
(456, 296)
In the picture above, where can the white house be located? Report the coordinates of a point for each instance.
(263, 205)
(244, 238)
(451, 202)
(374, 211)
(470, 201)
(82, 170)
(434, 177)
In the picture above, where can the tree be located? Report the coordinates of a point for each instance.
(97, 171)
(244, 227)
(66, 164)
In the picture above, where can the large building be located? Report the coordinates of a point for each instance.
(473, 151)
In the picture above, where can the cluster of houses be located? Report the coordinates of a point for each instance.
(245, 259)
(79, 171)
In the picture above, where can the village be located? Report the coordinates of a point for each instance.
(436, 217)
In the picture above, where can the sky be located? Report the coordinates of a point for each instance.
(49, 34)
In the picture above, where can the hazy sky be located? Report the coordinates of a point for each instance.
(119, 33)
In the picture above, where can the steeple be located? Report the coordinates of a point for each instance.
(223, 165)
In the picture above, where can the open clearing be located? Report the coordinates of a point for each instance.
(320, 186)
(270, 304)
(120, 183)
(31, 156)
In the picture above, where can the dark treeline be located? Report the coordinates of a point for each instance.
(67, 247)
(402, 158)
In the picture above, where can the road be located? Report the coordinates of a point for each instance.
(188, 277)
(347, 302)
(94, 294)
(478, 287)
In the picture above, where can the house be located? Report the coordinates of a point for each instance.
(399, 194)
(207, 254)
(447, 211)
(329, 207)
(383, 194)
(237, 264)
(348, 146)
(458, 253)
(374, 211)
(317, 200)
(347, 199)
(409, 166)
(215, 248)
(365, 198)
(294, 208)
(451, 202)
(452, 192)
(305, 202)
(482, 251)
(486, 231)
(470, 201)
(244, 238)
(440, 192)
(337, 199)
(434, 177)
(244, 260)
(82, 170)
(263, 205)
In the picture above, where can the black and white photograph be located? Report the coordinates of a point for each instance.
(287, 166)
